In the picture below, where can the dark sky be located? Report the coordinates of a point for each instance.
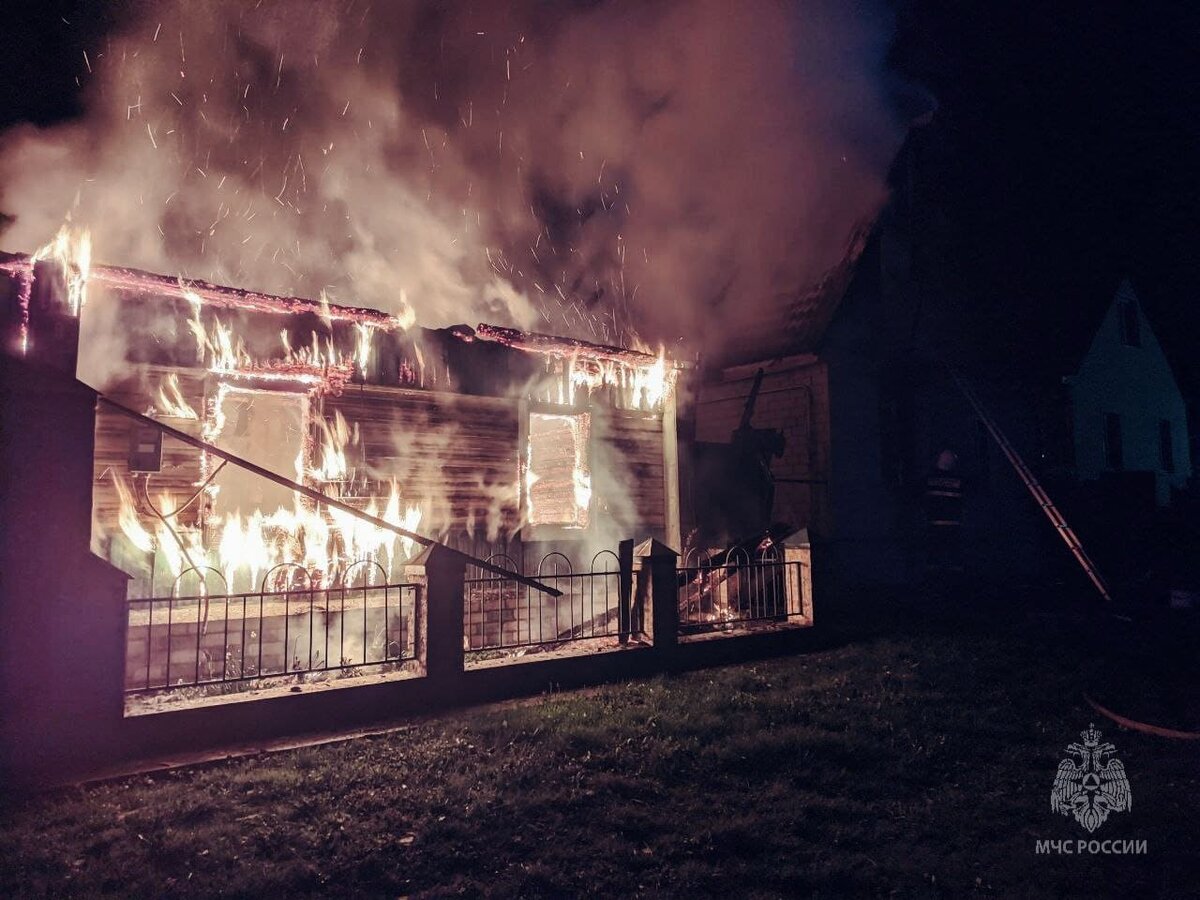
(1076, 136)
(43, 50)
(1075, 130)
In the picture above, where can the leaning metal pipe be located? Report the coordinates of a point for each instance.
(318, 496)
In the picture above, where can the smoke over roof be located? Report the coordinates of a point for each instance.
(592, 168)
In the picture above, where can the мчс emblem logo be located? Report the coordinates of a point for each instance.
(1091, 782)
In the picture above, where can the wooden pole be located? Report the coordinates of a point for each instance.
(318, 496)
(670, 436)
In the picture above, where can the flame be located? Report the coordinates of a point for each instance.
(312, 356)
(220, 350)
(530, 480)
(569, 493)
(411, 522)
(226, 354)
(244, 546)
(365, 333)
(127, 518)
(72, 250)
(223, 352)
(581, 482)
(581, 475)
(325, 542)
(420, 364)
(194, 323)
(171, 402)
(366, 542)
(334, 437)
(640, 386)
(177, 559)
(214, 421)
(326, 313)
(651, 383)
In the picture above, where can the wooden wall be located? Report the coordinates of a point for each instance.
(628, 468)
(794, 399)
(463, 455)
(180, 463)
(458, 454)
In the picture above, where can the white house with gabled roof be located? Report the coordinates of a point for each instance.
(1127, 412)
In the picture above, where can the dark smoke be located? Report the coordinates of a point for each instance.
(590, 168)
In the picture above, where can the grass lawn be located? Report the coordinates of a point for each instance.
(912, 756)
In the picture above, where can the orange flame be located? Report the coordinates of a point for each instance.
(171, 402)
(127, 518)
(640, 386)
(72, 250)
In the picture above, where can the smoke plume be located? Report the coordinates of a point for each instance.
(665, 167)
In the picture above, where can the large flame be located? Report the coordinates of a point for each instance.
(314, 365)
(329, 545)
(638, 386)
(72, 250)
(364, 334)
(564, 488)
(332, 546)
(171, 401)
(127, 518)
(334, 437)
(651, 383)
(324, 541)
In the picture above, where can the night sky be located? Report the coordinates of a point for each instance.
(1075, 133)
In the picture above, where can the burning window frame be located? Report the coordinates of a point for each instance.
(579, 488)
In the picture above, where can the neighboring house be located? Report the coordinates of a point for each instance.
(1127, 413)
(866, 406)
(857, 380)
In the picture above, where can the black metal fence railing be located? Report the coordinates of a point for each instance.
(503, 614)
(720, 591)
(215, 639)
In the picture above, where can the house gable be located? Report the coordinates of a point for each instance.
(1127, 410)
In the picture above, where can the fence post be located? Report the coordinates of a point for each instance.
(438, 620)
(62, 653)
(797, 558)
(625, 591)
(659, 581)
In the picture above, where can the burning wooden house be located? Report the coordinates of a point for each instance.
(541, 457)
(357, 438)
(504, 443)
(519, 448)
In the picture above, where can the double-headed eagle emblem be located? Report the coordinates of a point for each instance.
(1091, 782)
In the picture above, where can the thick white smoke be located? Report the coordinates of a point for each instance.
(582, 168)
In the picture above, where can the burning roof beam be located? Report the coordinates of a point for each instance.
(532, 342)
(123, 279)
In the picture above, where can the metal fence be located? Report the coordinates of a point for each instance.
(223, 638)
(721, 590)
(217, 641)
(502, 614)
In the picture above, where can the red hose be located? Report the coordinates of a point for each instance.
(1143, 727)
